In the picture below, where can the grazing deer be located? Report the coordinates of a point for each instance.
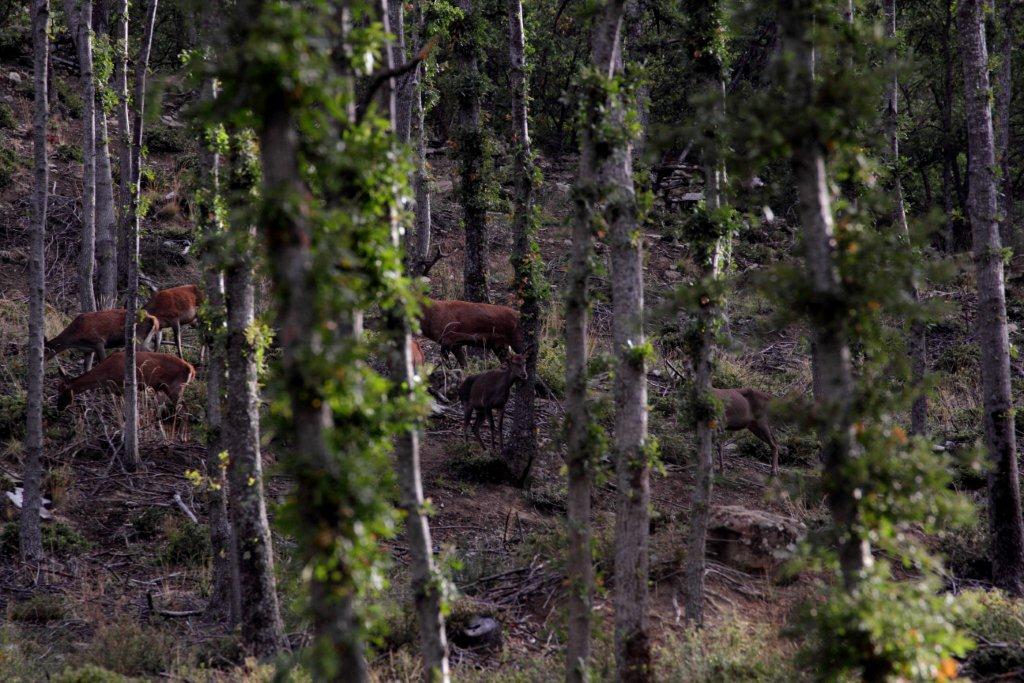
(458, 324)
(487, 392)
(98, 331)
(174, 308)
(161, 372)
(748, 409)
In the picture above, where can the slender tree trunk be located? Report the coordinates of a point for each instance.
(29, 532)
(472, 153)
(225, 599)
(119, 43)
(421, 175)
(635, 28)
(954, 240)
(403, 85)
(521, 448)
(707, 315)
(632, 640)
(106, 220)
(1006, 34)
(1003, 482)
(916, 339)
(80, 22)
(131, 398)
(426, 589)
(262, 629)
(834, 388)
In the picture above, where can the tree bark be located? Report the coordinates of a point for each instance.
(834, 387)
(1003, 481)
(29, 531)
(424, 578)
(1005, 11)
(916, 335)
(262, 629)
(403, 84)
(225, 600)
(472, 152)
(131, 398)
(521, 448)
(119, 43)
(106, 220)
(421, 174)
(80, 22)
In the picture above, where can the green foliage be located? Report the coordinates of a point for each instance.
(12, 415)
(68, 95)
(90, 673)
(149, 523)
(188, 544)
(736, 650)
(39, 609)
(58, 539)
(7, 119)
(68, 153)
(132, 649)
(164, 139)
(8, 165)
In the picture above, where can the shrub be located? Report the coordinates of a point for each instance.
(12, 415)
(68, 152)
(188, 544)
(39, 609)
(551, 366)
(997, 622)
(131, 649)
(68, 95)
(957, 358)
(161, 138)
(149, 523)
(8, 165)
(58, 539)
(735, 651)
(88, 674)
(7, 118)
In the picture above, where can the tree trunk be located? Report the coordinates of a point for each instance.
(521, 448)
(632, 466)
(29, 532)
(421, 176)
(916, 339)
(426, 589)
(131, 398)
(119, 43)
(106, 220)
(262, 629)
(80, 23)
(834, 387)
(1003, 482)
(471, 144)
(1005, 20)
(403, 84)
(635, 27)
(225, 600)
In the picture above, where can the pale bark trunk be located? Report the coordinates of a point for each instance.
(119, 41)
(916, 338)
(421, 175)
(1005, 16)
(424, 577)
(632, 466)
(402, 84)
(131, 398)
(225, 599)
(262, 629)
(1007, 530)
(634, 25)
(106, 220)
(700, 508)
(80, 23)
(521, 448)
(834, 386)
(29, 531)
(471, 146)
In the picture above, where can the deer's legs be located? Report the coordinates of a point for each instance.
(100, 350)
(761, 430)
(467, 415)
(460, 356)
(476, 427)
(177, 338)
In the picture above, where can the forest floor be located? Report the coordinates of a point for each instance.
(125, 583)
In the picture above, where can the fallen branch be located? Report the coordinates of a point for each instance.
(168, 612)
(184, 508)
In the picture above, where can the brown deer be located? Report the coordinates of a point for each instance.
(748, 409)
(97, 331)
(162, 372)
(174, 308)
(487, 392)
(458, 324)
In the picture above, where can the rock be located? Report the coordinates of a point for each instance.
(479, 633)
(752, 539)
(14, 77)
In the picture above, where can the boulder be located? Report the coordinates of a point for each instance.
(752, 540)
(481, 632)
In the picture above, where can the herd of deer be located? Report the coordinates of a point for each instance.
(453, 325)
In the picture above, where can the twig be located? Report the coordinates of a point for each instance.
(170, 613)
(184, 508)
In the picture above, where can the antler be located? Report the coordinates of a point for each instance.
(427, 265)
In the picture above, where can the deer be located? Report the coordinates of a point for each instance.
(488, 391)
(748, 409)
(97, 331)
(162, 372)
(458, 324)
(174, 308)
